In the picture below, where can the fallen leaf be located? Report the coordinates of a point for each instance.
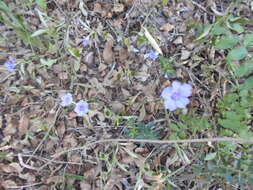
(167, 27)
(23, 125)
(178, 40)
(8, 183)
(152, 41)
(108, 53)
(185, 54)
(118, 7)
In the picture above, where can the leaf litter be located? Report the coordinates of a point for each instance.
(111, 72)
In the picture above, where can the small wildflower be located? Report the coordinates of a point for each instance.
(82, 108)
(86, 41)
(176, 96)
(66, 100)
(152, 55)
(10, 64)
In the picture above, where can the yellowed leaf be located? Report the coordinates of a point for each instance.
(152, 41)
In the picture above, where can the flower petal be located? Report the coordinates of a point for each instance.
(167, 92)
(170, 104)
(82, 108)
(182, 102)
(176, 85)
(186, 90)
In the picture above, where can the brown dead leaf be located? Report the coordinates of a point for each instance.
(89, 58)
(108, 52)
(167, 27)
(99, 8)
(11, 127)
(23, 125)
(11, 168)
(117, 107)
(61, 129)
(8, 183)
(123, 54)
(55, 180)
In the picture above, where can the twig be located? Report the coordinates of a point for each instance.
(221, 139)
(24, 186)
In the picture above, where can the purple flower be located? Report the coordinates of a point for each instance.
(10, 64)
(176, 96)
(86, 41)
(66, 100)
(152, 55)
(82, 108)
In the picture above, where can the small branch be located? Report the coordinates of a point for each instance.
(24, 186)
(221, 139)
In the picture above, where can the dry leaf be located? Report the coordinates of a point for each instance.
(118, 7)
(8, 183)
(167, 27)
(89, 58)
(152, 41)
(23, 125)
(10, 168)
(185, 54)
(55, 179)
(108, 53)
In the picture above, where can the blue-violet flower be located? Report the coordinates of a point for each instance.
(66, 100)
(82, 108)
(152, 55)
(86, 41)
(10, 64)
(176, 96)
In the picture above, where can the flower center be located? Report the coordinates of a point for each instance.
(175, 96)
(82, 108)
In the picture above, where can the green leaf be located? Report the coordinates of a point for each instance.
(237, 54)
(247, 85)
(48, 62)
(237, 27)
(39, 32)
(167, 66)
(219, 30)
(227, 42)
(210, 156)
(248, 40)
(42, 4)
(205, 32)
(244, 69)
(74, 176)
(230, 124)
(75, 52)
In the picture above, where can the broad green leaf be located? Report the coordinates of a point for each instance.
(205, 32)
(42, 4)
(227, 42)
(248, 40)
(210, 156)
(230, 124)
(219, 30)
(247, 85)
(244, 69)
(237, 27)
(237, 54)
